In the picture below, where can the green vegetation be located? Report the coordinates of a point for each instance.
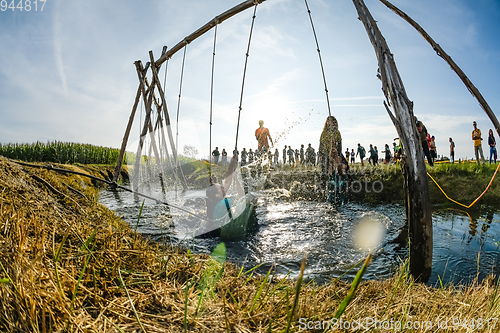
(60, 152)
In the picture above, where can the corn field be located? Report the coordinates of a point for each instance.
(60, 152)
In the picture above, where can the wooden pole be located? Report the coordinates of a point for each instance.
(212, 23)
(126, 135)
(147, 102)
(159, 123)
(167, 122)
(148, 126)
(440, 52)
(418, 209)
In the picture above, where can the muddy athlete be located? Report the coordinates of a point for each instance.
(330, 136)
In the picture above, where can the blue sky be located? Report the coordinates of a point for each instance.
(67, 72)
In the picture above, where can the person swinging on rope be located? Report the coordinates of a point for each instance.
(261, 135)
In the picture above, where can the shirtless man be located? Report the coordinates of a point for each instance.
(261, 135)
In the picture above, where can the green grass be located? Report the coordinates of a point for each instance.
(60, 152)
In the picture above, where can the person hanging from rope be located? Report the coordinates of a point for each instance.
(330, 137)
(212, 196)
(223, 207)
(261, 135)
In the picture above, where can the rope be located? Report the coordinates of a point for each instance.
(112, 184)
(458, 203)
(244, 74)
(211, 104)
(320, 60)
(165, 99)
(179, 100)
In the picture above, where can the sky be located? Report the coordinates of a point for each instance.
(67, 72)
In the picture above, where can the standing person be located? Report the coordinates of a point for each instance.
(235, 153)
(311, 155)
(244, 154)
(375, 155)
(216, 154)
(372, 154)
(478, 147)
(297, 156)
(362, 153)
(261, 135)
(452, 151)
(290, 153)
(387, 154)
(394, 158)
(302, 154)
(423, 139)
(492, 143)
(224, 157)
(270, 157)
(276, 156)
(353, 156)
(250, 156)
(347, 154)
(284, 155)
(432, 147)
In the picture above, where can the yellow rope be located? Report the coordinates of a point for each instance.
(458, 203)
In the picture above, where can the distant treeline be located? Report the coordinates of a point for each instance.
(60, 152)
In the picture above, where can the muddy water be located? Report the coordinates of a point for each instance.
(465, 246)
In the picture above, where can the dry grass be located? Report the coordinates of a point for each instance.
(69, 264)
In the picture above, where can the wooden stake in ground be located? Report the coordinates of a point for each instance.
(418, 209)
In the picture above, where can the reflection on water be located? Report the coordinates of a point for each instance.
(464, 246)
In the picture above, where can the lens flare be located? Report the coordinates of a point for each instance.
(369, 233)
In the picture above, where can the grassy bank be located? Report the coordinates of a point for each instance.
(69, 264)
(463, 182)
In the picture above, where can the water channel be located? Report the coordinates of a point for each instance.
(466, 244)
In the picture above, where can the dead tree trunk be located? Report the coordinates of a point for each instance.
(418, 209)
